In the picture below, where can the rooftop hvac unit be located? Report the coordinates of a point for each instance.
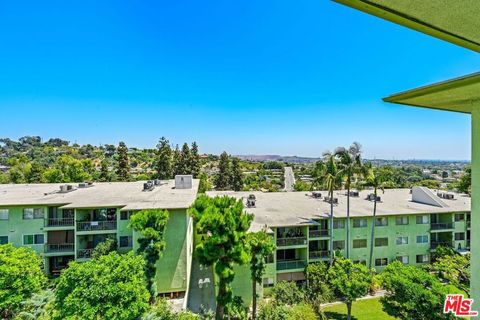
(448, 196)
(148, 186)
(183, 181)
(354, 194)
(66, 188)
(316, 194)
(251, 201)
(83, 185)
(63, 188)
(156, 182)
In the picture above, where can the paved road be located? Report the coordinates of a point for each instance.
(289, 179)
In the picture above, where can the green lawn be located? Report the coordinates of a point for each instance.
(369, 309)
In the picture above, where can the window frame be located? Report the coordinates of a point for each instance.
(423, 236)
(34, 238)
(7, 211)
(401, 220)
(381, 219)
(402, 243)
(377, 245)
(2, 236)
(421, 219)
(361, 225)
(381, 264)
(353, 243)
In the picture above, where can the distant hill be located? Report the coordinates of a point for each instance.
(265, 158)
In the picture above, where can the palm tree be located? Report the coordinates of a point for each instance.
(377, 179)
(351, 163)
(328, 175)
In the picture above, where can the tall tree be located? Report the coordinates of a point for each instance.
(194, 164)
(20, 277)
(104, 173)
(223, 225)
(351, 164)
(110, 287)
(164, 160)
(261, 246)
(349, 280)
(151, 226)
(122, 162)
(222, 179)
(327, 175)
(177, 161)
(376, 178)
(236, 178)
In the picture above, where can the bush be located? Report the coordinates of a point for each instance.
(20, 277)
(162, 311)
(287, 293)
(270, 311)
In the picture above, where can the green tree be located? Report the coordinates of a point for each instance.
(38, 306)
(464, 184)
(414, 293)
(261, 245)
(236, 178)
(151, 226)
(272, 311)
(110, 287)
(52, 175)
(194, 161)
(164, 160)
(222, 178)
(182, 160)
(223, 224)
(287, 293)
(162, 310)
(104, 248)
(317, 290)
(20, 277)
(453, 269)
(328, 175)
(376, 178)
(204, 184)
(104, 173)
(349, 280)
(123, 167)
(350, 161)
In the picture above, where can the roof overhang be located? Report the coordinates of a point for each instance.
(453, 21)
(458, 95)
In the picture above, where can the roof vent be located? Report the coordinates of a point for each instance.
(426, 196)
(156, 182)
(64, 188)
(316, 194)
(183, 181)
(148, 186)
(251, 201)
(330, 200)
(446, 195)
(353, 193)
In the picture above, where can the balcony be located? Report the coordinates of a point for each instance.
(318, 233)
(59, 247)
(436, 244)
(96, 225)
(469, 223)
(319, 254)
(59, 222)
(292, 264)
(294, 241)
(84, 253)
(441, 226)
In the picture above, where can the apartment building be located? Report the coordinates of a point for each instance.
(64, 222)
(409, 225)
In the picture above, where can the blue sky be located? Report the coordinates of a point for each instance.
(249, 77)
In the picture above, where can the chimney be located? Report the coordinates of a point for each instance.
(183, 181)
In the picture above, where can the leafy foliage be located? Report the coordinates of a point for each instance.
(271, 311)
(164, 160)
(151, 225)
(20, 277)
(110, 287)
(317, 290)
(414, 293)
(37, 307)
(223, 225)
(453, 269)
(122, 170)
(161, 310)
(104, 248)
(222, 179)
(287, 293)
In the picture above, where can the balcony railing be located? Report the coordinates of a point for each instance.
(436, 244)
(441, 225)
(296, 241)
(96, 225)
(319, 254)
(293, 264)
(59, 247)
(59, 222)
(469, 223)
(84, 253)
(318, 233)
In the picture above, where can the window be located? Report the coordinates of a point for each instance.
(403, 259)
(287, 254)
(33, 213)
(359, 243)
(381, 262)
(401, 221)
(422, 258)
(125, 241)
(3, 214)
(3, 240)
(459, 217)
(422, 239)
(359, 223)
(401, 240)
(422, 219)
(339, 245)
(459, 236)
(381, 242)
(381, 222)
(33, 239)
(125, 215)
(338, 224)
(268, 282)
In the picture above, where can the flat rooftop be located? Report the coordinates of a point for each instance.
(276, 209)
(124, 195)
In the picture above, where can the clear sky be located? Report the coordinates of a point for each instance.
(248, 77)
